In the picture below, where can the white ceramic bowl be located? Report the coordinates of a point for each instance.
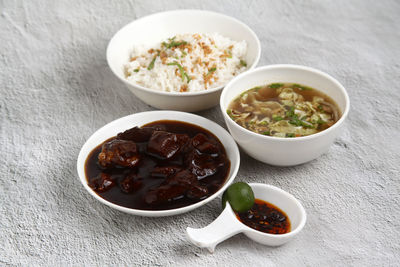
(285, 151)
(154, 28)
(227, 224)
(139, 119)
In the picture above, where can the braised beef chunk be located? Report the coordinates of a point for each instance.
(165, 171)
(102, 183)
(204, 145)
(139, 135)
(197, 192)
(131, 183)
(184, 177)
(118, 153)
(204, 165)
(165, 145)
(174, 187)
(162, 194)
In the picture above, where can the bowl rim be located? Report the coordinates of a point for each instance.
(81, 160)
(171, 12)
(287, 195)
(286, 66)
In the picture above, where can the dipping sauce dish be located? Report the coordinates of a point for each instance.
(227, 224)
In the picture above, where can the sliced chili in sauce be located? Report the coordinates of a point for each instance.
(265, 217)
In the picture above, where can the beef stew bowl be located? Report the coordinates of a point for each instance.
(158, 163)
(284, 115)
(166, 61)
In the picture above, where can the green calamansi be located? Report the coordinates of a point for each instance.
(240, 197)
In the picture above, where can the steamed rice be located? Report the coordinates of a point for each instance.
(187, 63)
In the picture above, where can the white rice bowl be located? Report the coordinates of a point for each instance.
(200, 62)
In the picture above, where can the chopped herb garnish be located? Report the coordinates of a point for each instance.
(151, 65)
(308, 125)
(173, 43)
(211, 71)
(136, 70)
(243, 63)
(266, 133)
(319, 121)
(301, 87)
(187, 77)
(290, 135)
(275, 85)
(290, 112)
(277, 118)
(227, 52)
(229, 112)
(295, 121)
(181, 70)
(263, 123)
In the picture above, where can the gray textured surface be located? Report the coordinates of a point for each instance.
(56, 90)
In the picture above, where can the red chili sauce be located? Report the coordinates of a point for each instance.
(265, 217)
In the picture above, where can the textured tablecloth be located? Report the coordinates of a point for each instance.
(56, 90)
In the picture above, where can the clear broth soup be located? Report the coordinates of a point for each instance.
(284, 110)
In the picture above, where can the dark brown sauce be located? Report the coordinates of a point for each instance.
(265, 217)
(143, 186)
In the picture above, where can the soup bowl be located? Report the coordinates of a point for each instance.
(165, 25)
(139, 119)
(277, 150)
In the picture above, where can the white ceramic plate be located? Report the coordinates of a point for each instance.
(139, 119)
